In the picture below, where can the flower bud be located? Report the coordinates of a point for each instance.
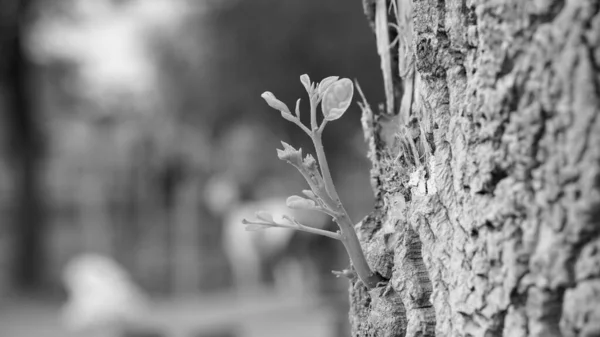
(306, 83)
(310, 162)
(274, 102)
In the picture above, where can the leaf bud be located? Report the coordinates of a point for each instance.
(274, 102)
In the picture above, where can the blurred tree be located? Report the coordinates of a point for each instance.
(23, 145)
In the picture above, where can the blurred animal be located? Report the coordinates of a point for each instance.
(285, 258)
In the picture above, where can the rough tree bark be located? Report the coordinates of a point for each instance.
(486, 169)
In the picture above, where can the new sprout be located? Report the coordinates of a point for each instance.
(334, 95)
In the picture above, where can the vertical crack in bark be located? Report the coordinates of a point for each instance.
(414, 286)
(544, 309)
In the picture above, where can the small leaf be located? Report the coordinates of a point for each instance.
(292, 221)
(281, 154)
(290, 154)
(337, 99)
(325, 83)
(265, 216)
(274, 102)
(253, 227)
(296, 202)
(306, 83)
(309, 194)
(310, 162)
(298, 108)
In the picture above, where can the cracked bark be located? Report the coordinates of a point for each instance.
(494, 229)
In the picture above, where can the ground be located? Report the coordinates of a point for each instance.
(263, 315)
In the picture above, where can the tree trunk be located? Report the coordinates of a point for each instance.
(23, 152)
(486, 169)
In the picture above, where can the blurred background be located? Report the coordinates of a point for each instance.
(134, 130)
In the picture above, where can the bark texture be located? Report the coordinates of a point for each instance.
(486, 171)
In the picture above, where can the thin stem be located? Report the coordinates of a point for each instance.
(313, 113)
(318, 143)
(296, 120)
(329, 212)
(352, 245)
(302, 126)
(322, 127)
(298, 226)
(348, 234)
(313, 230)
(319, 208)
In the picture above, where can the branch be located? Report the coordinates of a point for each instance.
(313, 114)
(329, 187)
(320, 131)
(297, 226)
(295, 120)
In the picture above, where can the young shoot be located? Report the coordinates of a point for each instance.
(334, 95)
